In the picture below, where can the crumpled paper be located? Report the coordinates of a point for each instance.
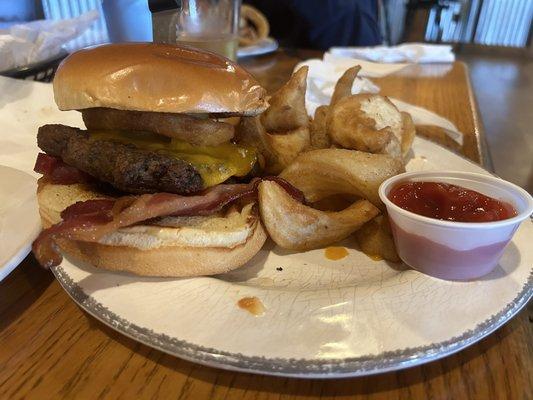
(40, 40)
(404, 53)
(323, 75)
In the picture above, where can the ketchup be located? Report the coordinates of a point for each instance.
(449, 202)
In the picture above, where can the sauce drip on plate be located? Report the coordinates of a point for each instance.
(252, 304)
(449, 202)
(335, 252)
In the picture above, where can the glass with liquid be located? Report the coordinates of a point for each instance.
(210, 25)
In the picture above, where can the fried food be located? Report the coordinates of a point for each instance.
(336, 202)
(343, 87)
(276, 150)
(283, 149)
(287, 106)
(375, 239)
(317, 129)
(282, 131)
(326, 172)
(295, 226)
(193, 129)
(393, 148)
(250, 132)
(408, 133)
(365, 122)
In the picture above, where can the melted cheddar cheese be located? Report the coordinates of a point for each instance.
(214, 163)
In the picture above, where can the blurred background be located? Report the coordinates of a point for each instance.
(492, 36)
(320, 24)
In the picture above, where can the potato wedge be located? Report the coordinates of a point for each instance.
(375, 239)
(295, 226)
(343, 87)
(287, 106)
(317, 129)
(408, 133)
(284, 148)
(250, 132)
(277, 150)
(365, 122)
(326, 172)
(393, 148)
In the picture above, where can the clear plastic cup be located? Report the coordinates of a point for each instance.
(455, 250)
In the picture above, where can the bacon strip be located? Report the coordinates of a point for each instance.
(90, 220)
(88, 207)
(58, 172)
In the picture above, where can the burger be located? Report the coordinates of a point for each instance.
(154, 185)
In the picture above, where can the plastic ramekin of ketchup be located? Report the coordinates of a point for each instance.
(453, 225)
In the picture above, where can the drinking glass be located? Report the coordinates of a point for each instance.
(209, 24)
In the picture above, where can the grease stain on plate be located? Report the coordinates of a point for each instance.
(335, 252)
(253, 305)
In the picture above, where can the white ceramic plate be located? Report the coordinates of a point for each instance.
(264, 46)
(323, 318)
(19, 217)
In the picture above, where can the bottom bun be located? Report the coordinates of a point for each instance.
(162, 261)
(169, 261)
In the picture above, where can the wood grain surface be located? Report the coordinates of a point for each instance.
(50, 349)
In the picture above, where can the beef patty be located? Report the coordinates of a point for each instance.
(124, 166)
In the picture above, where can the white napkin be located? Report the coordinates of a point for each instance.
(24, 106)
(39, 40)
(422, 116)
(409, 52)
(369, 69)
(321, 80)
(323, 74)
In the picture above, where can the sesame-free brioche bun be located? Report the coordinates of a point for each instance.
(193, 246)
(156, 77)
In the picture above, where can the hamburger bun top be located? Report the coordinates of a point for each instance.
(156, 77)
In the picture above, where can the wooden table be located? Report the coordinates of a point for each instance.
(49, 348)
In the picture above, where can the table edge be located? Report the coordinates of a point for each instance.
(485, 158)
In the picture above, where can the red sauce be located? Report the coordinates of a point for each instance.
(449, 202)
